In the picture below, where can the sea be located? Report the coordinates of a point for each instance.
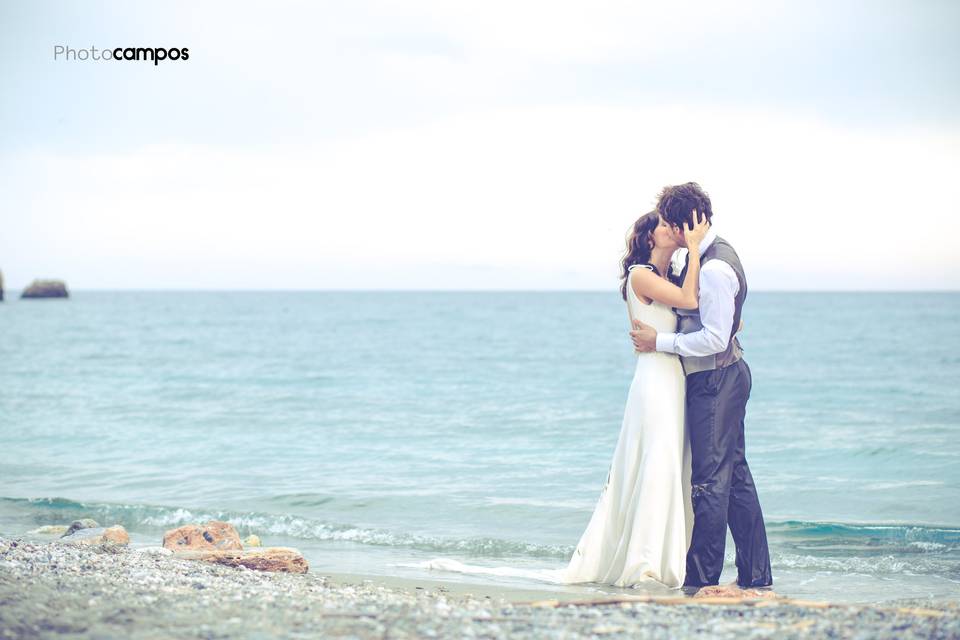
(375, 431)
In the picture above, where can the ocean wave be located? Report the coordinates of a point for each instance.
(545, 504)
(140, 516)
(876, 534)
(902, 484)
(869, 566)
(828, 546)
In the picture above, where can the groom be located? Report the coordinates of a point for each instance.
(718, 385)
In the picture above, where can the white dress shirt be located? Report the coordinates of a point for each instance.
(718, 291)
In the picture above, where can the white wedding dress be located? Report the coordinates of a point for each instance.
(641, 525)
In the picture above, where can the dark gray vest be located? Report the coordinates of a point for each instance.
(689, 319)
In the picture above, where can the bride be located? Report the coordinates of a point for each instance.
(641, 525)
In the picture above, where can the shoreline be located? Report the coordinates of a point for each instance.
(52, 589)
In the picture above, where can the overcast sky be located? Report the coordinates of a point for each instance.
(475, 145)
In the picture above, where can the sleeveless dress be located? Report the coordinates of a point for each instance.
(642, 523)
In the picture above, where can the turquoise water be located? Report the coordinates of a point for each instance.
(375, 430)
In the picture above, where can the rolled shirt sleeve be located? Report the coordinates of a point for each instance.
(718, 291)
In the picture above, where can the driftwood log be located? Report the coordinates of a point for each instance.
(282, 559)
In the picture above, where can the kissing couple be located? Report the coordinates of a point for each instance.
(679, 475)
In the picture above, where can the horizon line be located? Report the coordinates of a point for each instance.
(442, 290)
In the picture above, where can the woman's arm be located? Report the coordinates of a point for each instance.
(648, 285)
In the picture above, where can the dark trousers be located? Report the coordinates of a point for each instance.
(723, 489)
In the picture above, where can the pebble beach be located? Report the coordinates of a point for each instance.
(115, 591)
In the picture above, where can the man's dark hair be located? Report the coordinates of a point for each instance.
(676, 204)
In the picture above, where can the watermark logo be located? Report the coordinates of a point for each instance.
(150, 54)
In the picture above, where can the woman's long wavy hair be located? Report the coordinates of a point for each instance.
(639, 246)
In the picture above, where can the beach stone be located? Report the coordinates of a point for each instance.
(51, 529)
(252, 540)
(96, 535)
(280, 559)
(154, 551)
(84, 523)
(45, 289)
(215, 534)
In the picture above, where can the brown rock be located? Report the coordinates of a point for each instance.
(96, 535)
(45, 289)
(117, 534)
(283, 559)
(215, 534)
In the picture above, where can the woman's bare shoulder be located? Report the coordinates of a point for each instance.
(640, 277)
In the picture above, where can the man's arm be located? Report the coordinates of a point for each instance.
(718, 291)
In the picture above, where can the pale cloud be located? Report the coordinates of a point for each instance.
(510, 198)
(564, 32)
